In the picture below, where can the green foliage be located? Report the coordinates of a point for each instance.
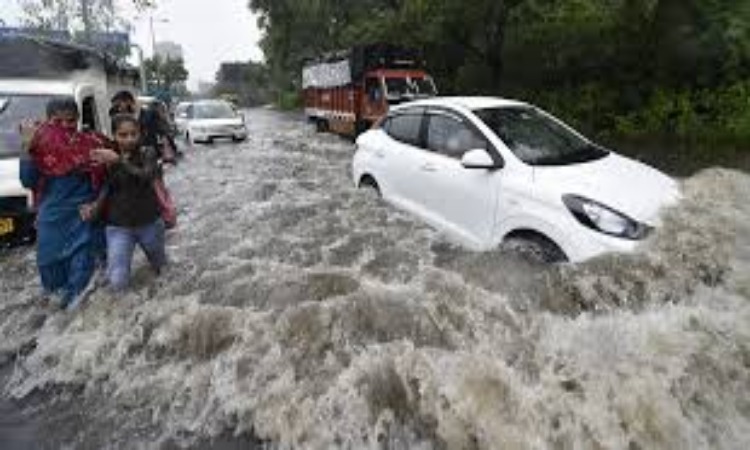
(289, 100)
(247, 82)
(627, 68)
(74, 15)
(165, 75)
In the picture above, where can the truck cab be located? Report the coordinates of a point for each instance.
(384, 88)
(26, 100)
(347, 91)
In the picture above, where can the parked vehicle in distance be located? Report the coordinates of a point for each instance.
(181, 117)
(490, 171)
(348, 91)
(207, 120)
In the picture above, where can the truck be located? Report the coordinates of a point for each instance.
(32, 72)
(347, 91)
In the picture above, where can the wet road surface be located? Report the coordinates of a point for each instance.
(302, 313)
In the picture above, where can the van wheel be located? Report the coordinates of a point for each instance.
(321, 125)
(535, 247)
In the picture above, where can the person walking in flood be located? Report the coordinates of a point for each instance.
(132, 208)
(66, 184)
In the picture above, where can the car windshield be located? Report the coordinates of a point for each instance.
(14, 109)
(538, 139)
(217, 110)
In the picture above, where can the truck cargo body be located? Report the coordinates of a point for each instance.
(347, 92)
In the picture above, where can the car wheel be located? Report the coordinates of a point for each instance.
(535, 247)
(369, 184)
(237, 140)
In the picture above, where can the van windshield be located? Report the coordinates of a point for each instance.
(14, 109)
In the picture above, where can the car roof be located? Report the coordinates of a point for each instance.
(472, 103)
(36, 87)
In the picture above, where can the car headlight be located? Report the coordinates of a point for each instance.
(606, 220)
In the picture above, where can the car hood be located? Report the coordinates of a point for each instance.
(621, 183)
(234, 121)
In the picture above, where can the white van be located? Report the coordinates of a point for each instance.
(20, 100)
(34, 71)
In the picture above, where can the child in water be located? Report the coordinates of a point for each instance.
(132, 208)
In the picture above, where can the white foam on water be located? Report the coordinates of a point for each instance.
(305, 314)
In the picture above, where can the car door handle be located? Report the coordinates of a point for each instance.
(380, 154)
(429, 168)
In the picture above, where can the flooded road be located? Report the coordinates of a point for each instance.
(301, 313)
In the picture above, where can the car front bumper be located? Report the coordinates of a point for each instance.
(586, 244)
(209, 134)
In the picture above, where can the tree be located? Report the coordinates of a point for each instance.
(165, 76)
(88, 16)
(248, 82)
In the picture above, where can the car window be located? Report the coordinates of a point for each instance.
(405, 128)
(452, 137)
(181, 111)
(14, 109)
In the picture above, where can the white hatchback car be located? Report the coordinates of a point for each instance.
(488, 171)
(206, 120)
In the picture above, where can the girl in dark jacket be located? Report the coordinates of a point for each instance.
(132, 208)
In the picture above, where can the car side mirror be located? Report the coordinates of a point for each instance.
(478, 159)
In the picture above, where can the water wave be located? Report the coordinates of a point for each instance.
(306, 315)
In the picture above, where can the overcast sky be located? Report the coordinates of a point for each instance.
(210, 31)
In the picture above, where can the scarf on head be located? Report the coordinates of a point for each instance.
(58, 151)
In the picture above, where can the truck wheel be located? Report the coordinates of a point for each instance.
(321, 125)
(361, 126)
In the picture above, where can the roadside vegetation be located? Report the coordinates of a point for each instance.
(673, 72)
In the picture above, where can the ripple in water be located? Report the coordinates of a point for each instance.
(301, 314)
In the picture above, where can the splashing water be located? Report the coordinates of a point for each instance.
(303, 314)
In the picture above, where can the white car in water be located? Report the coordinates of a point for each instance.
(489, 171)
(207, 120)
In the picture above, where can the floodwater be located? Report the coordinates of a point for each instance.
(301, 313)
